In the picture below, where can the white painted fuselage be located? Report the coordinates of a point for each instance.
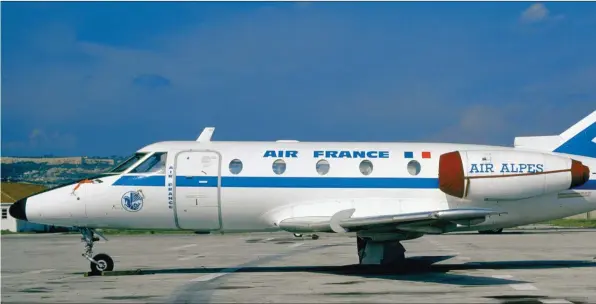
(198, 191)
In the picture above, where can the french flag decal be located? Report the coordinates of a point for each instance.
(410, 154)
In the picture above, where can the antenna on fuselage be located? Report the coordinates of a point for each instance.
(206, 134)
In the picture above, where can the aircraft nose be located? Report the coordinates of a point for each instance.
(17, 210)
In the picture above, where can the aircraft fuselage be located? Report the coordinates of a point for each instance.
(252, 186)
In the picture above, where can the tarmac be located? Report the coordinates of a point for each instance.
(529, 266)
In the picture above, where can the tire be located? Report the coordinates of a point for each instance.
(315, 237)
(105, 261)
(493, 231)
(297, 234)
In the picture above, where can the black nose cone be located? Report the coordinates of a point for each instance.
(17, 210)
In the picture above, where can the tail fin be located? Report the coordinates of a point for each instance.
(579, 139)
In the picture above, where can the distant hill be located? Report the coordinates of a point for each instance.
(12, 192)
(54, 171)
(77, 160)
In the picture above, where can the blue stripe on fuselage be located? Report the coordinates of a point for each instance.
(294, 182)
(139, 180)
(280, 182)
(589, 185)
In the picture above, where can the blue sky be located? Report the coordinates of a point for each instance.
(103, 78)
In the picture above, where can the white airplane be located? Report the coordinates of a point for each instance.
(383, 192)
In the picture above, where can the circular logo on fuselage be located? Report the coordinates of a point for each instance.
(132, 201)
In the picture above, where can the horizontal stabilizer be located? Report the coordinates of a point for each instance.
(538, 143)
(424, 222)
(579, 139)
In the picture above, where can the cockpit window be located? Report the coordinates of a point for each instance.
(127, 163)
(155, 163)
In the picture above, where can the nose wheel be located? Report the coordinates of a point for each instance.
(104, 263)
(100, 262)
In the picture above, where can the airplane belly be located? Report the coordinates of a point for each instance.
(256, 209)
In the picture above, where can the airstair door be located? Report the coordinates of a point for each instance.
(197, 190)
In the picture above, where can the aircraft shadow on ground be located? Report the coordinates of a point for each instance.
(418, 269)
(537, 231)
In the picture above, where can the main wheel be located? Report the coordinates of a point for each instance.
(314, 237)
(105, 263)
(493, 231)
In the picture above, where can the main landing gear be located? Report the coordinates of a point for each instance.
(312, 236)
(492, 231)
(100, 262)
(389, 253)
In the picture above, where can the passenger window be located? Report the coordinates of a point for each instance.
(413, 167)
(279, 166)
(156, 163)
(322, 167)
(366, 167)
(235, 166)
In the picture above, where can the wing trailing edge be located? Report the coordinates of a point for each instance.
(430, 222)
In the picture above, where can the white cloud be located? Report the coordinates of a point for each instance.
(535, 13)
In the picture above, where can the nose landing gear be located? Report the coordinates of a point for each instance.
(100, 262)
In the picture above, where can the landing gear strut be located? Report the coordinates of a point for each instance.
(100, 262)
(386, 253)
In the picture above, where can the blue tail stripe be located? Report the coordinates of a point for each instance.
(580, 144)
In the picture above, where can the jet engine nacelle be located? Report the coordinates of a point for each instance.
(507, 175)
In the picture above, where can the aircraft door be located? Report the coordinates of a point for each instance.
(197, 190)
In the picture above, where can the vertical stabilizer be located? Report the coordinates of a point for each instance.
(579, 139)
(206, 134)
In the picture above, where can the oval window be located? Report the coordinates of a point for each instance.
(413, 167)
(366, 167)
(279, 166)
(322, 167)
(235, 166)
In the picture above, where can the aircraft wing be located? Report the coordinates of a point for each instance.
(430, 222)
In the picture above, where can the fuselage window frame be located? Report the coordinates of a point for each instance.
(279, 166)
(366, 167)
(323, 167)
(414, 167)
(234, 165)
